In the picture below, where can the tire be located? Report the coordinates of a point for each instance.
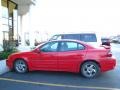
(90, 69)
(20, 66)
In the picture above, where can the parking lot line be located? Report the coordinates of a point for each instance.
(57, 85)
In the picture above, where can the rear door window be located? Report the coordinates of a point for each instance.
(71, 46)
(50, 47)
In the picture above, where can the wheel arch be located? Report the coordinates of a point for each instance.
(89, 60)
(25, 60)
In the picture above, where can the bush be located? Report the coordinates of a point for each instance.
(9, 48)
(5, 54)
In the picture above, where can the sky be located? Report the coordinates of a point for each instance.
(76, 16)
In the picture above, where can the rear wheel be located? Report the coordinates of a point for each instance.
(90, 69)
(20, 66)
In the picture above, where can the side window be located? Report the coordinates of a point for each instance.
(81, 47)
(50, 47)
(68, 46)
(71, 46)
(63, 46)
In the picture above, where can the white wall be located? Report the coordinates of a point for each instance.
(25, 28)
(1, 33)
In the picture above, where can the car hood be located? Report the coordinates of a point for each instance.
(21, 53)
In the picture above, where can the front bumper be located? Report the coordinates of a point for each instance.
(9, 64)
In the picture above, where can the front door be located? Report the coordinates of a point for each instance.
(47, 59)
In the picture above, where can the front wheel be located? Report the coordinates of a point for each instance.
(90, 69)
(20, 66)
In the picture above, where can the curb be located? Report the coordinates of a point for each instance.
(3, 67)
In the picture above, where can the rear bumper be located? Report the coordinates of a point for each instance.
(108, 64)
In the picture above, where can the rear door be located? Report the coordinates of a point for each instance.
(70, 56)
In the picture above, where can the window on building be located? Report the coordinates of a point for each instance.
(9, 20)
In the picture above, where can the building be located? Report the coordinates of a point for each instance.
(13, 17)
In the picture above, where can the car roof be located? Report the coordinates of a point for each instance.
(67, 40)
(70, 40)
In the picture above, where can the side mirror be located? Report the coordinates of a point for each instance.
(37, 50)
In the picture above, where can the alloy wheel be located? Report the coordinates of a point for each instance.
(20, 66)
(90, 69)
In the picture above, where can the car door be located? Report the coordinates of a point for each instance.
(47, 58)
(71, 55)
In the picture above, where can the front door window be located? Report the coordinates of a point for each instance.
(50, 47)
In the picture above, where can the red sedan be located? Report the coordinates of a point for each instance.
(64, 55)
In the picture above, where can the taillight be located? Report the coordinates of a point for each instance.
(109, 54)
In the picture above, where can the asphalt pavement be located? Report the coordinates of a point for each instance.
(40, 80)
